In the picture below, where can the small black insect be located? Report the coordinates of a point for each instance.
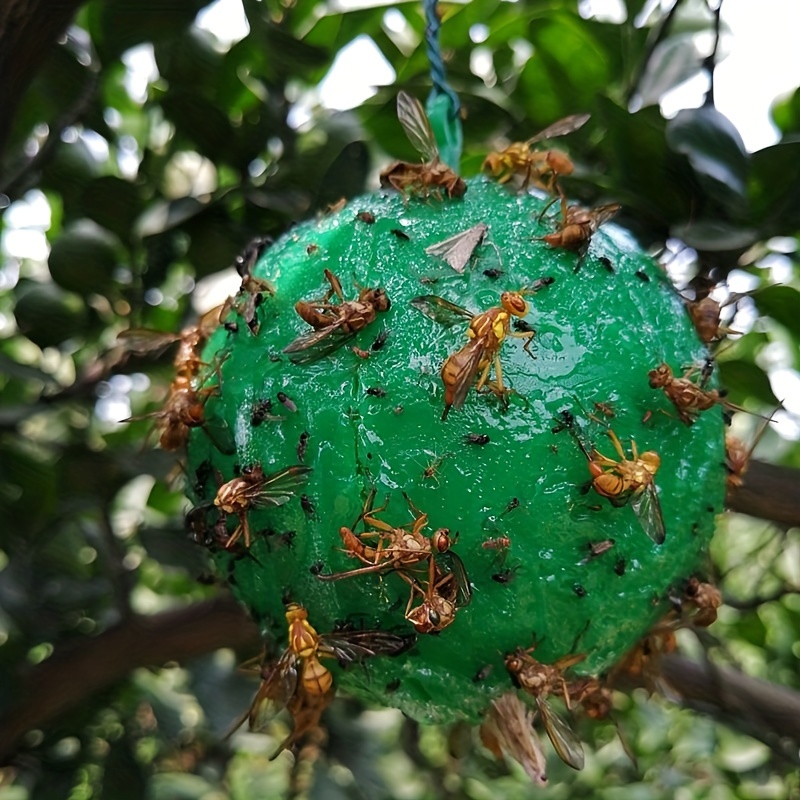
(380, 340)
(401, 234)
(642, 276)
(619, 567)
(479, 439)
(316, 568)
(366, 216)
(505, 576)
(307, 505)
(606, 263)
(376, 391)
(302, 446)
(287, 401)
(261, 410)
(493, 273)
(579, 590)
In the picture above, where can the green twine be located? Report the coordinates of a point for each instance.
(443, 105)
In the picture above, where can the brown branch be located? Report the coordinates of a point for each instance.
(28, 29)
(78, 671)
(766, 711)
(768, 492)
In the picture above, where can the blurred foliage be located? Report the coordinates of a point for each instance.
(146, 195)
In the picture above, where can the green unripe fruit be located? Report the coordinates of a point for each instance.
(376, 422)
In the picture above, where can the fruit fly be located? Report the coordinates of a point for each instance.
(486, 333)
(302, 445)
(702, 600)
(642, 664)
(184, 407)
(252, 289)
(432, 177)
(597, 549)
(432, 467)
(334, 324)
(443, 593)
(499, 543)
(297, 679)
(540, 168)
(706, 316)
(627, 481)
(457, 250)
(738, 455)
(385, 548)
(540, 680)
(508, 728)
(578, 225)
(254, 489)
(688, 397)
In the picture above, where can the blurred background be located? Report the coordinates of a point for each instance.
(142, 146)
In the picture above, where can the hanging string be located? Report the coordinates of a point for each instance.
(443, 104)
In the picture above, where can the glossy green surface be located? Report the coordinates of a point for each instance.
(597, 334)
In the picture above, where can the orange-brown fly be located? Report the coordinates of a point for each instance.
(184, 407)
(540, 168)
(577, 226)
(253, 489)
(689, 398)
(431, 178)
(384, 547)
(540, 680)
(625, 480)
(334, 324)
(486, 333)
(297, 679)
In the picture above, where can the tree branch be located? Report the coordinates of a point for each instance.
(757, 708)
(83, 668)
(768, 492)
(28, 29)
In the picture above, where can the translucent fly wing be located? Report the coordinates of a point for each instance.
(452, 564)
(316, 344)
(220, 434)
(647, 508)
(440, 310)
(561, 128)
(349, 646)
(279, 487)
(508, 727)
(565, 741)
(462, 369)
(415, 123)
(146, 342)
(457, 250)
(278, 686)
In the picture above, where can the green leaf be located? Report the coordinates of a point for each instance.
(84, 257)
(674, 60)
(774, 188)
(786, 113)
(199, 121)
(117, 25)
(715, 151)
(782, 303)
(123, 776)
(745, 380)
(112, 203)
(715, 236)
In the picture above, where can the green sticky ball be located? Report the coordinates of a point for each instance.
(495, 467)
